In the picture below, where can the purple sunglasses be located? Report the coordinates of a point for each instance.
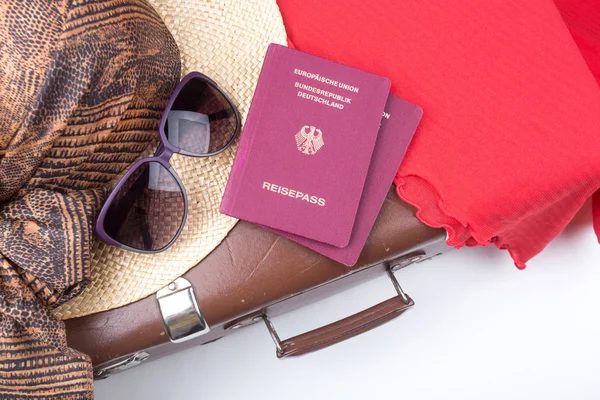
(147, 209)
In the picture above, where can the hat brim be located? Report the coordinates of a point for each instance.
(225, 40)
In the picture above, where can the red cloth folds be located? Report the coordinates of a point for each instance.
(508, 150)
(583, 19)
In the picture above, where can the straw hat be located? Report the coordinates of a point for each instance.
(226, 40)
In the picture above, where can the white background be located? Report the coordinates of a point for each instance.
(480, 329)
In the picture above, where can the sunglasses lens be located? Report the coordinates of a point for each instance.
(147, 211)
(201, 120)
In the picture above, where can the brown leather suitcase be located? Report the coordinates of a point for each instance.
(251, 276)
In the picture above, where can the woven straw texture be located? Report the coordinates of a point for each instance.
(226, 40)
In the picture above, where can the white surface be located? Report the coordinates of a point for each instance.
(480, 329)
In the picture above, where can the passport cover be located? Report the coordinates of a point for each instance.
(398, 126)
(306, 146)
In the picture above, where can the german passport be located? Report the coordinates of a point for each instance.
(306, 147)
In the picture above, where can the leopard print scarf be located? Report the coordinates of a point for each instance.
(82, 87)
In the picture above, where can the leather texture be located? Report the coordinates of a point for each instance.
(344, 329)
(254, 271)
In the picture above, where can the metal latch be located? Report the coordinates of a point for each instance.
(406, 260)
(180, 312)
(113, 368)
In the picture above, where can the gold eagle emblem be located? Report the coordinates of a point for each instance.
(309, 140)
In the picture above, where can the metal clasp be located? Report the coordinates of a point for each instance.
(406, 260)
(129, 362)
(181, 315)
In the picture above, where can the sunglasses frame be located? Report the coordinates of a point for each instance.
(163, 155)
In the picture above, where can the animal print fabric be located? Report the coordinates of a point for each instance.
(82, 87)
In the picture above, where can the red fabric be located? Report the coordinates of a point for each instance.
(583, 19)
(508, 150)
(596, 214)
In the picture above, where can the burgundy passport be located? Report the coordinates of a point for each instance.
(398, 126)
(306, 146)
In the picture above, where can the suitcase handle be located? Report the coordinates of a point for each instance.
(346, 328)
